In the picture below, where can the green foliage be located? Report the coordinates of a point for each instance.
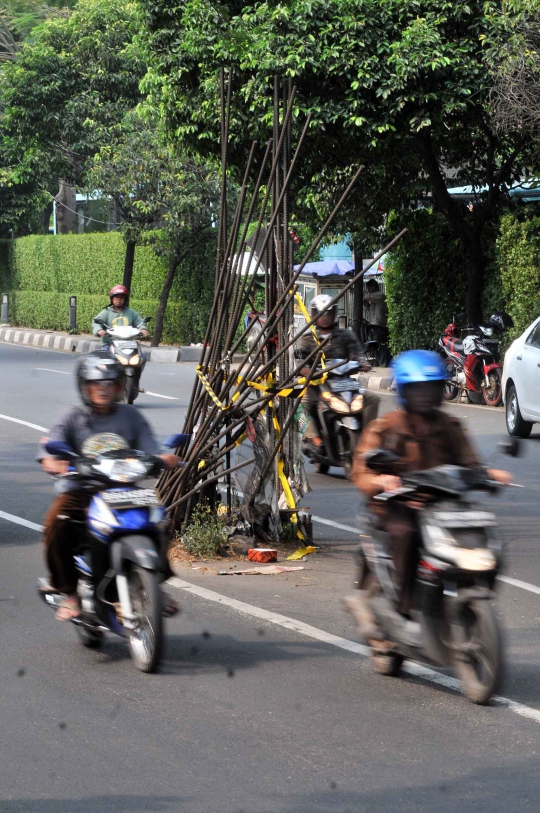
(206, 533)
(40, 273)
(518, 247)
(425, 280)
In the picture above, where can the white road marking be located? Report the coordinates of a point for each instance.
(301, 628)
(24, 423)
(342, 643)
(532, 588)
(157, 395)
(341, 527)
(50, 370)
(20, 521)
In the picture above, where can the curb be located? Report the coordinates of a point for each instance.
(73, 344)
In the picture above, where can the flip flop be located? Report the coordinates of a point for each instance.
(67, 611)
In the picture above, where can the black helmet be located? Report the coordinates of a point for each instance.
(501, 321)
(98, 367)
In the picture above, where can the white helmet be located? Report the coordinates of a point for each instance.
(319, 303)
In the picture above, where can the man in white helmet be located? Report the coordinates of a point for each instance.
(343, 344)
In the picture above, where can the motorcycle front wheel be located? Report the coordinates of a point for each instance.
(479, 667)
(146, 640)
(132, 390)
(493, 392)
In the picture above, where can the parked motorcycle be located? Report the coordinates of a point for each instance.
(472, 357)
(340, 414)
(120, 564)
(129, 353)
(453, 619)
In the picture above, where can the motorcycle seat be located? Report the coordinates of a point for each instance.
(454, 345)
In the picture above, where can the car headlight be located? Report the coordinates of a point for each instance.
(135, 359)
(357, 404)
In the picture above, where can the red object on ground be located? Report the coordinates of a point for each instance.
(262, 555)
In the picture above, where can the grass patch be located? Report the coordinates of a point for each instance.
(206, 533)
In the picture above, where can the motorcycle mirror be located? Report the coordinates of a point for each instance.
(146, 320)
(173, 441)
(381, 460)
(512, 447)
(59, 449)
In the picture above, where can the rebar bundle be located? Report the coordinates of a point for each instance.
(255, 401)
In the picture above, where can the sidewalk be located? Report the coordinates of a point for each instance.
(378, 378)
(86, 343)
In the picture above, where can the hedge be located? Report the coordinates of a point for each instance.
(41, 272)
(425, 280)
(518, 247)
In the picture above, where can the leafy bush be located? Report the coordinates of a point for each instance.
(518, 259)
(41, 272)
(206, 532)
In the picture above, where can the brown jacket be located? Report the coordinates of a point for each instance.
(419, 442)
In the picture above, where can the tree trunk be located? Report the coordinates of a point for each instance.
(358, 291)
(128, 264)
(163, 299)
(475, 278)
(66, 215)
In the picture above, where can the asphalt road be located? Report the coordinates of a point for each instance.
(249, 714)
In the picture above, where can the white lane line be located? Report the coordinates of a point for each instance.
(342, 643)
(158, 395)
(532, 588)
(341, 527)
(313, 632)
(20, 521)
(24, 423)
(50, 370)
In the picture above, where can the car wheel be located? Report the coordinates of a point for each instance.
(515, 424)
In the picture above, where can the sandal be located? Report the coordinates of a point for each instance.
(68, 610)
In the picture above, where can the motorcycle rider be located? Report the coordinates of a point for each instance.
(423, 437)
(100, 380)
(343, 344)
(117, 314)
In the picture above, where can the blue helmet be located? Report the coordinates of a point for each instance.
(415, 366)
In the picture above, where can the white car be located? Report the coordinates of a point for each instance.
(521, 382)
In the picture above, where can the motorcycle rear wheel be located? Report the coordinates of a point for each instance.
(451, 390)
(146, 642)
(493, 394)
(480, 670)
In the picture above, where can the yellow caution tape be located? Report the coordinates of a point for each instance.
(300, 553)
(209, 390)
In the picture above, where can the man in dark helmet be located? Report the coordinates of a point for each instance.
(99, 422)
(117, 314)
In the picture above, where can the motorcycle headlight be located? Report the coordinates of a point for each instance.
(475, 559)
(357, 404)
(326, 395)
(338, 405)
(440, 542)
(122, 359)
(124, 471)
(134, 359)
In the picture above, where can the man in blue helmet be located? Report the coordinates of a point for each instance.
(422, 436)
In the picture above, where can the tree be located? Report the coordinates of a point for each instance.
(65, 94)
(402, 87)
(152, 188)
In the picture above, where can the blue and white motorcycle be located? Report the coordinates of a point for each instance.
(121, 562)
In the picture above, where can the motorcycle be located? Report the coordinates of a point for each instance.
(472, 358)
(459, 557)
(120, 564)
(127, 351)
(341, 400)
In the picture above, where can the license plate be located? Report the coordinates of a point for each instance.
(141, 497)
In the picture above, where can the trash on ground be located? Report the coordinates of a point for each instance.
(273, 570)
(262, 555)
(298, 554)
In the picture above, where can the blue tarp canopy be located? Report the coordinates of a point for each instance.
(327, 268)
